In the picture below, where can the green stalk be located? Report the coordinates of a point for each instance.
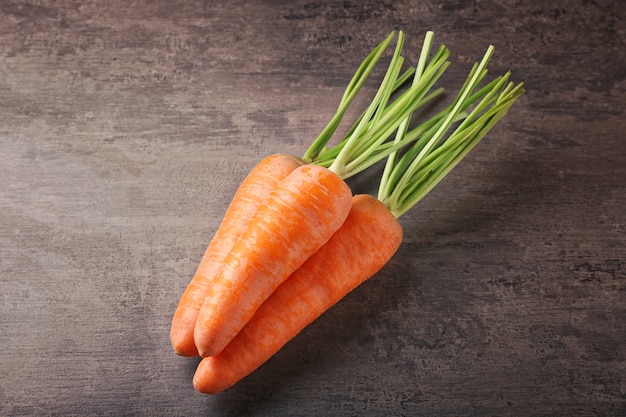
(431, 156)
(476, 75)
(383, 93)
(327, 155)
(410, 175)
(351, 91)
(426, 130)
(440, 158)
(365, 141)
(376, 149)
(402, 129)
(482, 127)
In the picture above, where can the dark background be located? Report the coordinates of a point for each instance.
(125, 128)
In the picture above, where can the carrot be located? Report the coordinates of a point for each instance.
(297, 218)
(319, 283)
(265, 177)
(370, 235)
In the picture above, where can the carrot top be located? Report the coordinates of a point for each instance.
(366, 141)
(418, 157)
(441, 142)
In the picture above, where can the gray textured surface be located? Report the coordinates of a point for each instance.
(125, 129)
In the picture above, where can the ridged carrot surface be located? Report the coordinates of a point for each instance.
(363, 245)
(295, 220)
(255, 188)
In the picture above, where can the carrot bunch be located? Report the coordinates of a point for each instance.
(290, 205)
(295, 241)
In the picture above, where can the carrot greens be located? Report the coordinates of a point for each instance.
(358, 79)
(408, 178)
(431, 155)
(366, 141)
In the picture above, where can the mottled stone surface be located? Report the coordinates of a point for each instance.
(125, 129)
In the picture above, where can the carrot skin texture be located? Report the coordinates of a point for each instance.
(257, 185)
(361, 247)
(296, 219)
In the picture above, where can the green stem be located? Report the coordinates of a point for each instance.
(377, 103)
(364, 143)
(326, 156)
(450, 160)
(402, 129)
(351, 91)
(410, 175)
(431, 157)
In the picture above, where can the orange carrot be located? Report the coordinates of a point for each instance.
(367, 239)
(295, 220)
(253, 190)
(364, 244)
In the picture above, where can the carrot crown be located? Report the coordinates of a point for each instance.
(366, 141)
(418, 157)
(442, 141)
